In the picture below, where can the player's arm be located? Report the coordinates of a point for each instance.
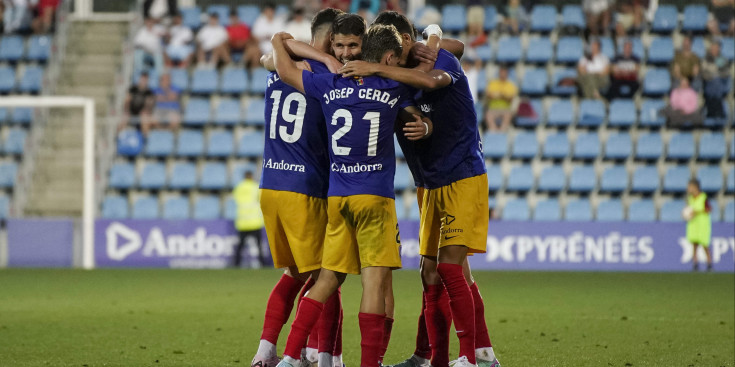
(416, 126)
(432, 47)
(286, 68)
(298, 49)
(432, 80)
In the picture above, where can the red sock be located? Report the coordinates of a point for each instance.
(306, 318)
(371, 331)
(387, 328)
(463, 309)
(438, 321)
(313, 341)
(279, 306)
(309, 283)
(329, 323)
(482, 338)
(423, 349)
(338, 342)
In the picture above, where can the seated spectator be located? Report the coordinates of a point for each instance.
(367, 9)
(299, 26)
(139, 103)
(2, 16)
(46, 10)
(683, 106)
(241, 41)
(686, 64)
(167, 106)
(472, 67)
(722, 18)
(593, 69)
(343, 5)
(398, 6)
(16, 15)
(265, 26)
(212, 42)
(515, 17)
(499, 95)
(598, 16)
(180, 36)
(629, 16)
(625, 67)
(475, 23)
(715, 74)
(148, 51)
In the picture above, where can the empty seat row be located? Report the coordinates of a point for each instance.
(207, 81)
(192, 16)
(198, 112)
(176, 207)
(30, 82)
(14, 142)
(18, 115)
(181, 176)
(191, 143)
(13, 48)
(8, 174)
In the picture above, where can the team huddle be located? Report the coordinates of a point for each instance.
(327, 195)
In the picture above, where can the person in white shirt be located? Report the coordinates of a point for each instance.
(594, 71)
(179, 47)
(212, 42)
(148, 47)
(16, 15)
(265, 26)
(299, 26)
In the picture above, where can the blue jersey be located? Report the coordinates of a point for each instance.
(360, 117)
(295, 153)
(454, 150)
(410, 154)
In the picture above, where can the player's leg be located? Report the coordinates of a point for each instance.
(483, 346)
(709, 257)
(237, 256)
(438, 315)
(695, 260)
(389, 312)
(460, 297)
(328, 329)
(372, 314)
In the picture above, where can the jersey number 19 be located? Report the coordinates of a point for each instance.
(297, 119)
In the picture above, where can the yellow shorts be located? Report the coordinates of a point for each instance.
(295, 224)
(362, 232)
(455, 214)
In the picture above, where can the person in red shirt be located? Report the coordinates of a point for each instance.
(241, 42)
(45, 19)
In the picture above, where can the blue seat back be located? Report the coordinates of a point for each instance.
(520, 178)
(712, 146)
(645, 179)
(561, 113)
(592, 112)
(454, 18)
(710, 178)
(543, 18)
(547, 210)
(578, 211)
(145, 207)
(183, 176)
(642, 211)
(676, 179)
(160, 143)
(614, 179)
(153, 176)
(587, 146)
(176, 208)
(206, 207)
(569, 50)
(610, 211)
(671, 211)
(552, 179)
(525, 145)
(122, 176)
(495, 145)
(509, 50)
(221, 144)
(665, 19)
(618, 146)
(214, 176)
(649, 146)
(234, 81)
(251, 145)
(190, 143)
(556, 146)
(582, 179)
(516, 210)
(622, 113)
(114, 207)
(681, 146)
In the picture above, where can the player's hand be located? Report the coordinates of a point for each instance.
(281, 36)
(415, 130)
(303, 65)
(333, 64)
(423, 53)
(357, 68)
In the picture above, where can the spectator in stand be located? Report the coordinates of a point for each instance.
(475, 23)
(598, 15)
(310, 7)
(716, 76)
(266, 25)
(499, 95)
(212, 41)
(16, 15)
(179, 49)
(241, 41)
(515, 17)
(398, 6)
(472, 67)
(45, 20)
(722, 17)
(157, 9)
(625, 73)
(683, 106)
(167, 108)
(686, 64)
(148, 47)
(593, 70)
(299, 27)
(2, 16)
(629, 17)
(343, 5)
(367, 9)
(139, 104)
(699, 222)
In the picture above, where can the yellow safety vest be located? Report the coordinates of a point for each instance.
(247, 196)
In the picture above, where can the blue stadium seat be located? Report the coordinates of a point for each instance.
(552, 179)
(556, 146)
(122, 176)
(485, 53)
(8, 174)
(649, 146)
(728, 48)
(665, 19)
(495, 145)
(228, 112)
(398, 149)
(129, 142)
(712, 146)
(520, 178)
(539, 51)
(153, 176)
(32, 79)
(547, 211)
(494, 177)
(573, 17)
(145, 207)
(614, 179)
(160, 143)
(676, 179)
(183, 176)
(563, 90)
(661, 51)
(251, 145)
(525, 146)
(39, 48)
(259, 80)
(516, 209)
(671, 211)
(561, 113)
(191, 17)
(509, 50)
(681, 146)
(197, 112)
(578, 211)
(7, 79)
(569, 50)
(402, 179)
(179, 78)
(454, 18)
(645, 180)
(255, 113)
(715, 213)
(15, 142)
(190, 144)
(230, 209)
(638, 48)
(114, 207)
(587, 146)
(3, 115)
(420, 24)
(223, 13)
(176, 208)
(583, 179)
(730, 181)
(413, 211)
(204, 81)
(220, 144)
(610, 211)
(534, 82)
(729, 215)
(4, 207)
(543, 18)
(618, 146)
(592, 113)
(732, 149)
(206, 208)
(214, 176)
(238, 172)
(698, 47)
(710, 178)
(11, 48)
(248, 14)
(491, 18)
(695, 18)
(234, 81)
(607, 47)
(657, 82)
(622, 113)
(21, 115)
(532, 121)
(642, 211)
(649, 116)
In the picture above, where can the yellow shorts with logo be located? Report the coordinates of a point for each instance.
(295, 224)
(362, 232)
(455, 214)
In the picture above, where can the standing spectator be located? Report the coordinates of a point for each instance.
(46, 12)
(715, 74)
(212, 40)
(699, 224)
(625, 73)
(148, 47)
(722, 17)
(179, 47)
(683, 105)
(249, 220)
(240, 41)
(299, 27)
(499, 95)
(598, 16)
(594, 70)
(515, 17)
(265, 26)
(686, 63)
(139, 104)
(16, 15)
(168, 106)
(367, 9)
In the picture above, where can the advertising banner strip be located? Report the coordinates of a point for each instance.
(40, 243)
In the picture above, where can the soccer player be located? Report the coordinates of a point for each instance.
(293, 200)
(362, 233)
(454, 215)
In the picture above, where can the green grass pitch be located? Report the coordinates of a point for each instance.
(214, 318)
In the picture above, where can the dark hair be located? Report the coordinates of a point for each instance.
(378, 40)
(233, 13)
(214, 15)
(269, 5)
(695, 182)
(350, 24)
(324, 19)
(402, 24)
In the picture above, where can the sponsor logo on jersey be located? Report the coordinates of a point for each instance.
(284, 166)
(356, 168)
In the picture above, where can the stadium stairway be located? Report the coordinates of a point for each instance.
(92, 60)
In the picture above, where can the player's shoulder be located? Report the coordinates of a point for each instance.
(446, 59)
(317, 67)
